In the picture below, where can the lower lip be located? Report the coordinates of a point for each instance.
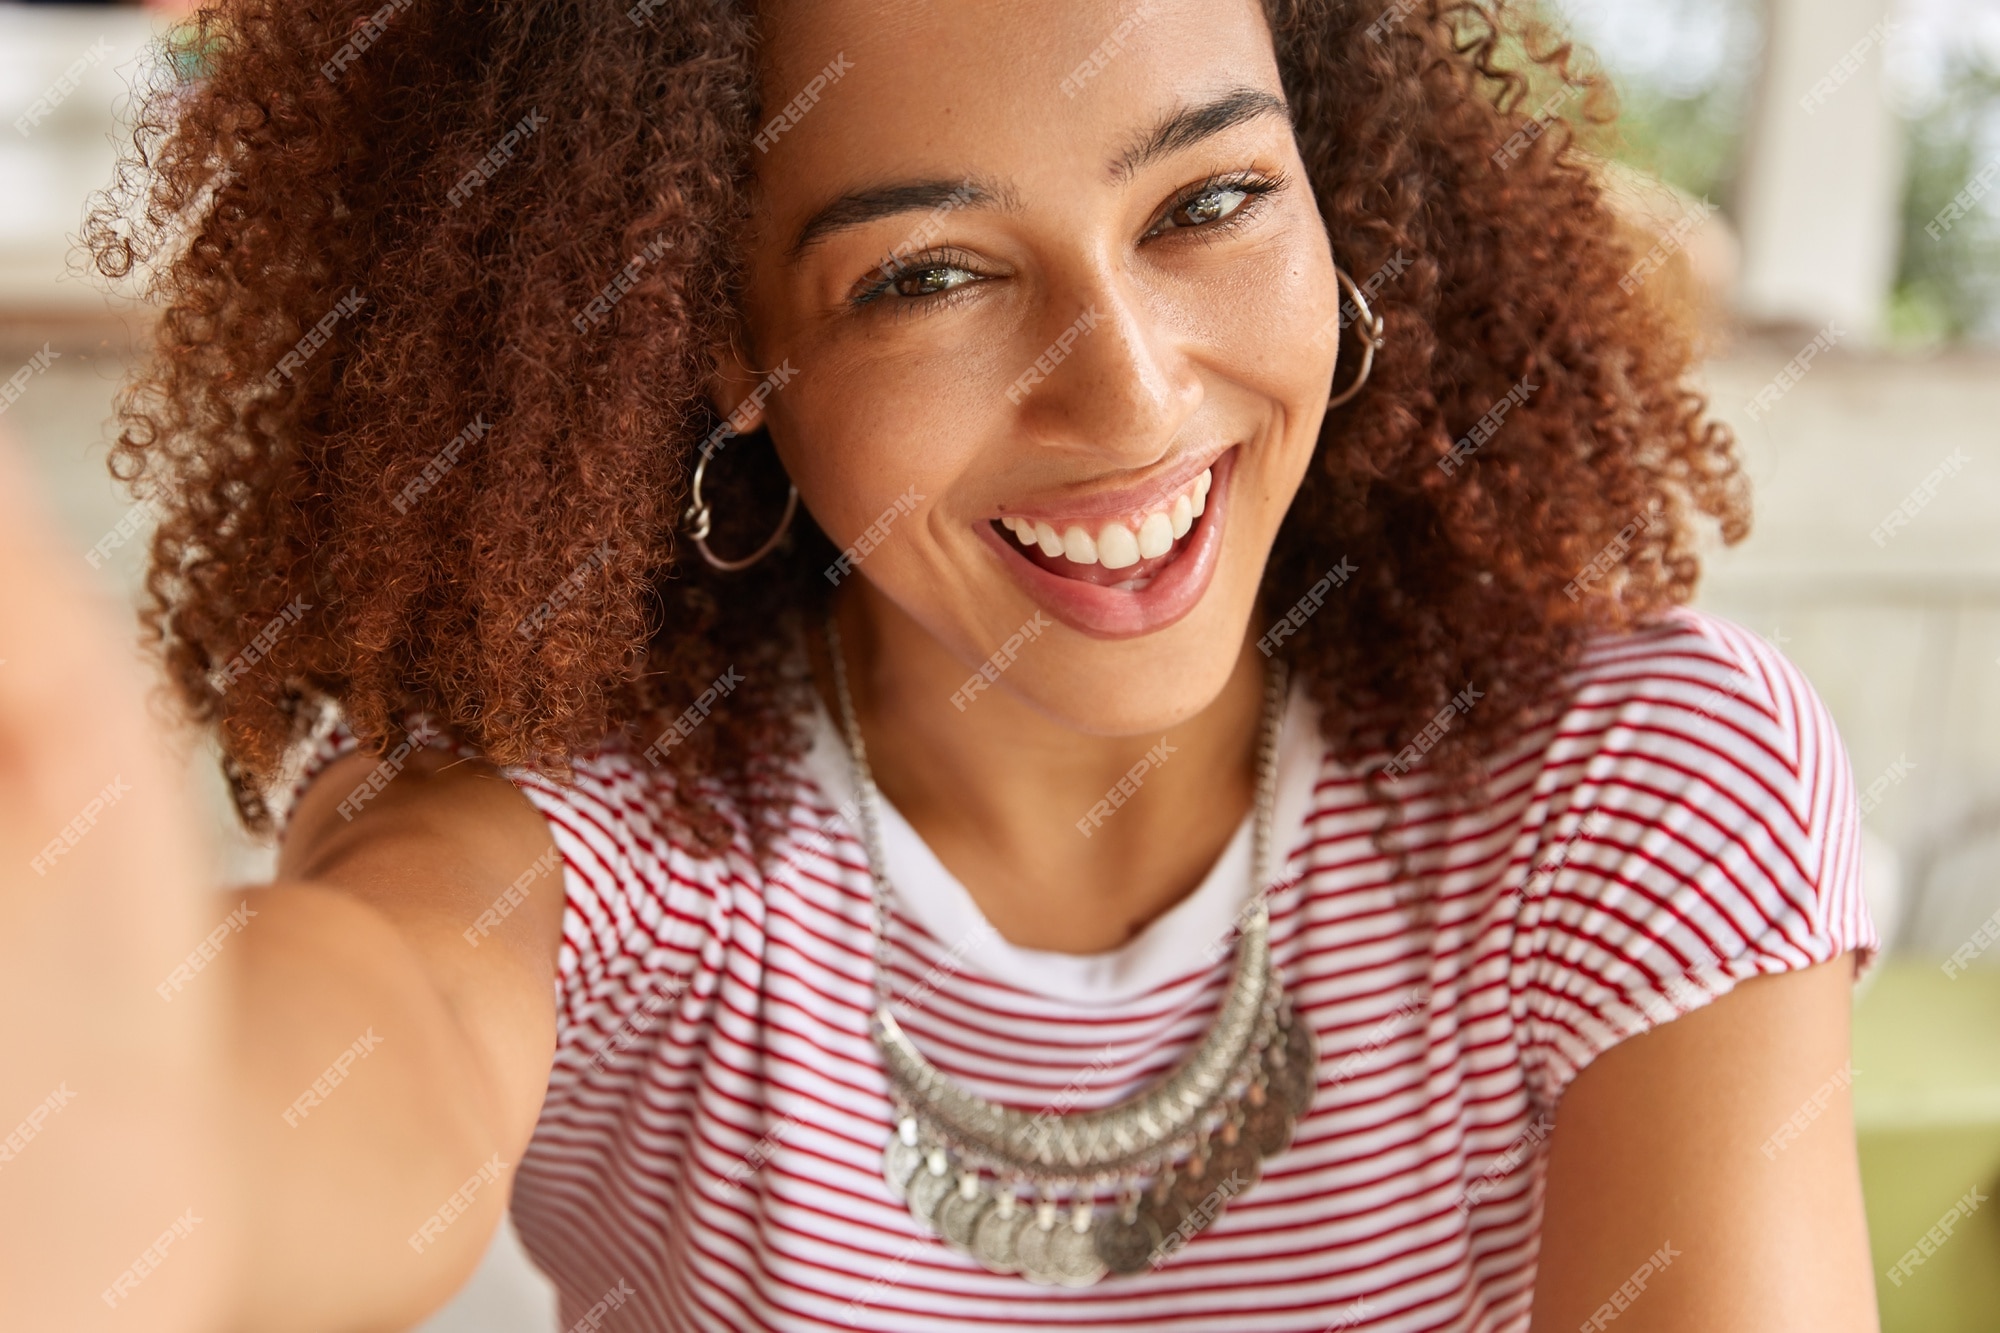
(1111, 613)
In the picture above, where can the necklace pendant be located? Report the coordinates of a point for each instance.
(1296, 1073)
(996, 1235)
(1127, 1239)
(1196, 1198)
(900, 1160)
(929, 1186)
(1267, 1120)
(1073, 1249)
(1035, 1246)
(961, 1210)
(1233, 1159)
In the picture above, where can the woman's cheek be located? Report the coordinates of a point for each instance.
(872, 481)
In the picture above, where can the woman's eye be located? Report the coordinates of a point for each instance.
(1211, 205)
(913, 283)
(929, 280)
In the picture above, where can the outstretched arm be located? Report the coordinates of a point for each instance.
(315, 1129)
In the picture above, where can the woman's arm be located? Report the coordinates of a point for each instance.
(253, 1143)
(1673, 1201)
(400, 1172)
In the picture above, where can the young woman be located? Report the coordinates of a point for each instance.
(926, 665)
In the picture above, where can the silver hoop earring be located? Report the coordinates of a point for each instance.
(1370, 325)
(700, 515)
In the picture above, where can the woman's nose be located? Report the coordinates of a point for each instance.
(1113, 380)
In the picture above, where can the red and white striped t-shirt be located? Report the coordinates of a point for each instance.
(716, 1111)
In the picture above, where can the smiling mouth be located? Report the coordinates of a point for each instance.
(1124, 553)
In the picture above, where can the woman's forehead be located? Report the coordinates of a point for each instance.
(915, 68)
(861, 93)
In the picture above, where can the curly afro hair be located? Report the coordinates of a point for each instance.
(440, 284)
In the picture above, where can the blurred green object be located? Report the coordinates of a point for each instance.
(187, 51)
(1948, 278)
(1927, 1110)
(1686, 123)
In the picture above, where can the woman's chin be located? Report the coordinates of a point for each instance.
(1095, 697)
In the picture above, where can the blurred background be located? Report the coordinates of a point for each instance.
(1826, 174)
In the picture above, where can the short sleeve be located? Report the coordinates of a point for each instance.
(324, 738)
(641, 909)
(1711, 835)
(646, 913)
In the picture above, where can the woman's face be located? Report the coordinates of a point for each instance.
(1046, 269)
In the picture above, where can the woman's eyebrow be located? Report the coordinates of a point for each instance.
(859, 207)
(1179, 129)
(1189, 125)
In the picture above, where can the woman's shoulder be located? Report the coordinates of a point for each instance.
(1689, 659)
(1694, 824)
(1716, 705)
(1696, 732)
(620, 822)
(645, 897)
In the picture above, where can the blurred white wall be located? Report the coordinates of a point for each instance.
(1819, 192)
(62, 72)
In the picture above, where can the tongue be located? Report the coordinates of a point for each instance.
(1064, 567)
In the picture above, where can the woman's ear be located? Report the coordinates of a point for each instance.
(734, 388)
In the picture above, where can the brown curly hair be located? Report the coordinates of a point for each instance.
(402, 460)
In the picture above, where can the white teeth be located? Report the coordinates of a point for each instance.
(1116, 546)
(1079, 546)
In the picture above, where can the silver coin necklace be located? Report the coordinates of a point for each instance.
(1017, 1190)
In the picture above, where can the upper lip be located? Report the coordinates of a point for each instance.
(1138, 497)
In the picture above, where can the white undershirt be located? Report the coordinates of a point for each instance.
(1170, 946)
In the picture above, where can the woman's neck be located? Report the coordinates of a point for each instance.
(997, 789)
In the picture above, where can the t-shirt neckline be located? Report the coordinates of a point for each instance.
(1189, 937)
